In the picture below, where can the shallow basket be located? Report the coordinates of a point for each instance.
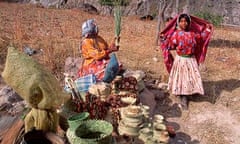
(93, 132)
(75, 120)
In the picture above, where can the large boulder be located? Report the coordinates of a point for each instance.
(49, 3)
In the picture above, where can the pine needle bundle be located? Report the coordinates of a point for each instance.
(117, 18)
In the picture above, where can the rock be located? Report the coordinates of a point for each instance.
(159, 94)
(72, 65)
(29, 51)
(90, 8)
(235, 99)
(146, 17)
(134, 8)
(148, 63)
(10, 101)
(48, 3)
(148, 98)
(222, 59)
(10, 94)
(162, 86)
(155, 59)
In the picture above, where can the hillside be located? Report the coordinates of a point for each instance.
(226, 9)
(211, 119)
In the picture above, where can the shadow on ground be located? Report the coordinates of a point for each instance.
(213, 90)
(219, 43)
(183, 138)
(169, 109)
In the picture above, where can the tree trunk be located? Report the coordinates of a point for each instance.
(163, 6)
(186, 8)
(177, 6)
(146, 7)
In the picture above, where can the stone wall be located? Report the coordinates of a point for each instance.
(229, 9)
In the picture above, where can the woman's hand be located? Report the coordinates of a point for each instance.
(113, 47)
(162, 36)
(117, 40)
(209, 27)
(115, 44)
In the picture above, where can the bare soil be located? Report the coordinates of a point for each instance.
(211, 119)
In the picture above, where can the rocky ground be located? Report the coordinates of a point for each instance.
(211, 119)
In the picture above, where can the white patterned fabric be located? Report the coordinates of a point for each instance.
(185, 77)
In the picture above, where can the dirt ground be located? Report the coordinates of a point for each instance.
(211, 119)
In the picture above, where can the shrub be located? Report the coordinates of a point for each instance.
(216, 20)
(112, 2)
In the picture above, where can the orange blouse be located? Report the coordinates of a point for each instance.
(94, 49)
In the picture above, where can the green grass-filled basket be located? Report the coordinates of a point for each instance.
(93, 132)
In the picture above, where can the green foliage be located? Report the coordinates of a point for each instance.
(117, 19)
(216, 20)
(114, 2)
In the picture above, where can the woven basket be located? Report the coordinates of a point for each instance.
(91, 132)
(75, 120)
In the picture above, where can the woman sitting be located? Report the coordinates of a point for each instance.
(99, 58)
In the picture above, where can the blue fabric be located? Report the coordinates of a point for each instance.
(83, 83)
(111, 69)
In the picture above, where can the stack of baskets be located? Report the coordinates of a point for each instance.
(156, 133)
(131, 120)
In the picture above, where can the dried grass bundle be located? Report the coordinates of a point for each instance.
(46, 120)
(117, 19)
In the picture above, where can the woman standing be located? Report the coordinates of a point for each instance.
(189, 36)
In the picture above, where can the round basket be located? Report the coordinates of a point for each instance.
(75, 120)
(92, 132)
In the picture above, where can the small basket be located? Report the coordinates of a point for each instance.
(75, 120)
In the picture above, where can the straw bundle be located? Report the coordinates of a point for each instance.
(41, 120)
(32, 81)
(117, 20)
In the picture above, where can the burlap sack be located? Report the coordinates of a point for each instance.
(32, 82)
(41, 120)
